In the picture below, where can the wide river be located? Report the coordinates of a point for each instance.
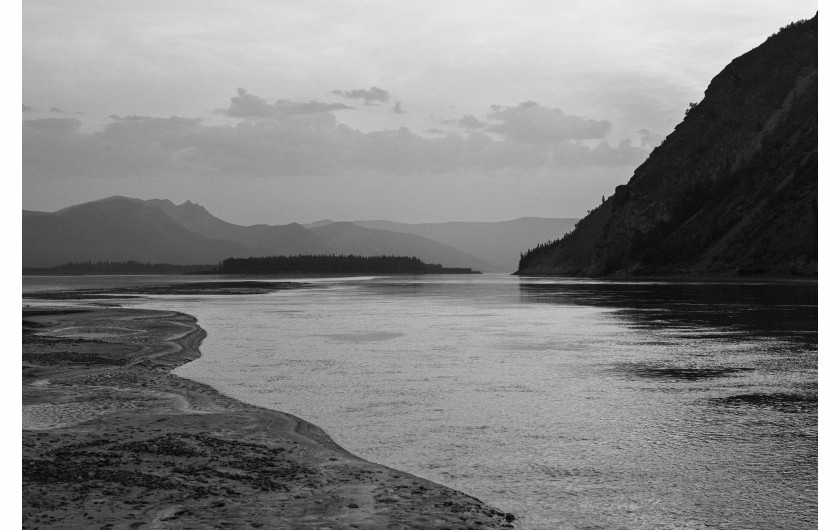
(571, 403)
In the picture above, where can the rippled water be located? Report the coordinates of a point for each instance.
(573, 404)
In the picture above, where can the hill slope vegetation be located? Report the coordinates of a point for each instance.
(732, 190)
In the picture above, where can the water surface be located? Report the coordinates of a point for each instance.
(571, 403)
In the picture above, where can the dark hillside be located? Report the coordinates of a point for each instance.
(733, 190)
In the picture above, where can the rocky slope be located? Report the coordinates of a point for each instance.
(732, 190)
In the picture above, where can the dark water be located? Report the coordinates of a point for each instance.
(573, 404)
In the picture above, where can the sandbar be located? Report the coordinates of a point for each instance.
(112, 439)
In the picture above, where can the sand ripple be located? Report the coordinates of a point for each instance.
(46, 416)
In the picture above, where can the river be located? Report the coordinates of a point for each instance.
(571, 403)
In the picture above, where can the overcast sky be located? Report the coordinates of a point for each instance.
(281, 111)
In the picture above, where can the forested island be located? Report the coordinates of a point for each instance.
(331, 264)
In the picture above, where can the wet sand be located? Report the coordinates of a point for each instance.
(111, 439)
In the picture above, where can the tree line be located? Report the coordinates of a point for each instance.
(105, 267)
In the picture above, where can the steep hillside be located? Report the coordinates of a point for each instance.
(118, 229)
(733, 190)
(499, 243)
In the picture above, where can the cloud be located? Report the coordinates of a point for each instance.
(246, 105)
(56, 110)
(397, 108)
(471, 122)
(373, 95)
(27, 108)
(530, 122)
(650, 139)
(306, 143)
(623, 155)
(53, 126)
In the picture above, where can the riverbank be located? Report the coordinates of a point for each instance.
(112, 439)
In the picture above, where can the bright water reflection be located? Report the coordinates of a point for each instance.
(573, 404)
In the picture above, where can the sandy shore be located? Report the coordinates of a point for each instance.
(111, 439)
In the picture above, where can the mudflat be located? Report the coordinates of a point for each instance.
(112, 439)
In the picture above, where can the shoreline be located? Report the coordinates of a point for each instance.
(682, 278)
(113, 439)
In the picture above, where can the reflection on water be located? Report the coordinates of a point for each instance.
(779, 401)
(733, 367)
(571, 403)
(756, 307)
(670, 374)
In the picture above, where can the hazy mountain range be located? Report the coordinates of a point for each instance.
(500, 243)
(733, 190)
(159, 231)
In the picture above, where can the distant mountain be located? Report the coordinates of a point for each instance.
(316, 224)
(159, 231)
(498, 243)
(286, 240)
(323, 237)
(118, 229)
(349, 238)
(733, 190)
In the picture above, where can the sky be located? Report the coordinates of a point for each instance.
(285, 111)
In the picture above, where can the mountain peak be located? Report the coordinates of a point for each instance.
(112, 198)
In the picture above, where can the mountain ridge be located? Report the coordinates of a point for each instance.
(121, 228)
(108, 231)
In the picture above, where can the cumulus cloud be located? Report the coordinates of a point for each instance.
(530, 122)
(27, 108)
(372, 96)
(309, 143)
(245, 105)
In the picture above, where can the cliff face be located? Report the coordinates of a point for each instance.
(732, 190)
